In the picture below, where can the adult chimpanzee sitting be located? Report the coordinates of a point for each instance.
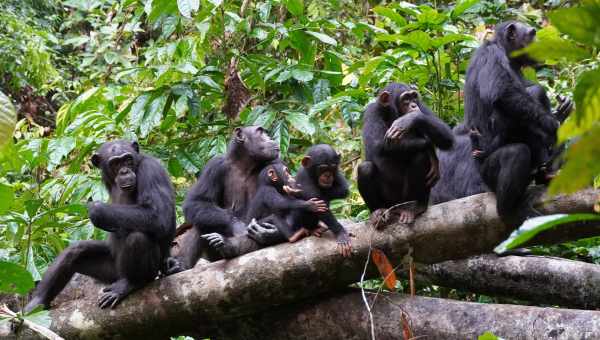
(219, 200)
(140, 221)
(515, 127)
(399, 134)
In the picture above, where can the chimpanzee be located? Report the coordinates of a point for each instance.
(513, 129)
(320, 177)
(219, 201)
(140, 221)
(399, 135)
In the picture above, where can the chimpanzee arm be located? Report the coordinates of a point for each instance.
(154, 211)
(336, 227)
(439, 133)
(340, 187)
(201, 205)
(278, 202)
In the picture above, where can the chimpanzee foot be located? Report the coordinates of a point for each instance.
(221, 245)
(380, 219)
(172, 266)
(115, 293)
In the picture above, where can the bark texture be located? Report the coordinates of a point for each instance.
(345, 317)
(539, 279)
(200, 298)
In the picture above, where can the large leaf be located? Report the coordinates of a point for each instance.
(302, 75)
(296, 7)
(281, 135)
(14, 279)
(580, 23)
(160, 8)
(153, 115)
(550, 46)
(391, 14)
(462, 6)
(536, 225)
(300, 122)
(324, 38)
(186, 7)
(7, 194)
(587, 99)
(582, 164)
(8, 119)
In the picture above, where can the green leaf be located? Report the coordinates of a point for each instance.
(391, 14)
(283, 76)
(8, 119)
(488, 336)
(533, 226)
(587, 98)
(296, 7)
(580, 23)
(324, 38)
(302, 75)
(7, 194)
(153, 115)
(582, 164)
(186, 7)
(14, 279)
(462, 6)
(300, 122)
(160, 8)
(282, 136)
(549, 47)
(206, 80)
(137, 110)
(417, 39)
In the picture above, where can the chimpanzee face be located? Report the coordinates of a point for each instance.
(279, 176)
(408, 102)
(515, 36)
(326, 173)
(257, 143)
(118, 162)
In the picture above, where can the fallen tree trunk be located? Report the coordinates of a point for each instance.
(346, 317)
(539, 279)
(199, 298)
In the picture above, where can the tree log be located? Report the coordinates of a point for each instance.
(345, 317)
(540, 279)
(198, 299)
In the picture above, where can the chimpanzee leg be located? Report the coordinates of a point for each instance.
(507, 172)
(368, 185)
(138, 262)
(92, 258)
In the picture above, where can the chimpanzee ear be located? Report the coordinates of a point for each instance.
(338, 157)
(272, 175)
(135, 146)
(511, 31)
(384, 97)
(96, 160)
(239, 135)
(306, 161)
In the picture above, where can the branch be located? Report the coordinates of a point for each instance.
(344, 317)
(198, 299)
(539, 279)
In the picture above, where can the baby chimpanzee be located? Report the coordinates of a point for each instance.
(274, 201)
(319, 177)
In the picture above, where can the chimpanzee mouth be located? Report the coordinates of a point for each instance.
(127, 187)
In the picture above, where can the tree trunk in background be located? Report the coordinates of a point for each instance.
(199, 299)
(539, 279)
(345, 317)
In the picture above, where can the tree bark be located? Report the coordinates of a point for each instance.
(539, 279)
(345, 317)
(198, 299)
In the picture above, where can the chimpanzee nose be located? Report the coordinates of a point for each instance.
(413, 106)
(123, 171)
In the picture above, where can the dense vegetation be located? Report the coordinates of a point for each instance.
(178, 76)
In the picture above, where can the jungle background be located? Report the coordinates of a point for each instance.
(178, 76)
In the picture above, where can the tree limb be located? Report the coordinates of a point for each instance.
(198, 299)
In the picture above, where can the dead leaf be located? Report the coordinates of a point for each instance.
(406, 331)
(385, 268)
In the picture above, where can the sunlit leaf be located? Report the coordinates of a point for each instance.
(533, 226)
(550, 46)
(587, 99)
(7, 194)
(14, 279)
(302, 75)
(385, 268)
(324, 38)
(391, 14)
(580, 22)
(462, 6)
(186, 7)
(300, 122)
(489, 336)
(8, 119)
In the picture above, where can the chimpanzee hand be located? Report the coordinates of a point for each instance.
(265, 234)
(171, 266)
(433, 175)
(401, 126)
(221, 245)
(115, 293)
(344, 244)
(317, 205)
(564, 108)
(96, 213)
(476, 148)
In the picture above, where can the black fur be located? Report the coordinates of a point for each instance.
(141, 223)
(398, 172)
